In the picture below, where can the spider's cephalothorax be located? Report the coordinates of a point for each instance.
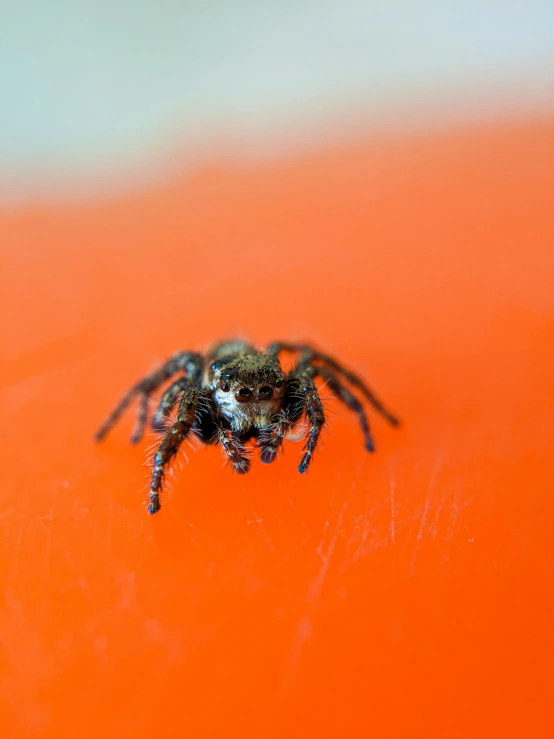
(237, 392)
(247, 386)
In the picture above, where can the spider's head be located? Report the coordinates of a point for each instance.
(248, 390)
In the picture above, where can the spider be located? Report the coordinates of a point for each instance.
(237, 392)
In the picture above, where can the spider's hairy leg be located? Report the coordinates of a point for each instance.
(316, 416)
(114, 416)
(362, 386)
(171, 441)
(167, 402)
(301, 397)
(205, 427)
(350, 400)
(350, 376)
(188, 362)
(142, 415)
(233, 449)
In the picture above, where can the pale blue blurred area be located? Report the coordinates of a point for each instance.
(89, 88)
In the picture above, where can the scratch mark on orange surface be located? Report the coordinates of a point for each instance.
(423, 523)
(363, 523)
(215, 547)
(455, 510)
(316, 585)
(299, 516)
(434, 524)
(305, 627)
(259, 521)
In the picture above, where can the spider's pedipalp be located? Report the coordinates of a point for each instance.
(271, 439)
(233, 450)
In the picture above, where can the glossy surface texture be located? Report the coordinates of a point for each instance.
(402, 594)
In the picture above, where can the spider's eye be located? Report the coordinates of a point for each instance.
(225, 387)
(265, 393)
(244, 395)
(279, 382)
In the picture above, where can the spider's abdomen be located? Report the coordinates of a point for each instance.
(231, 349)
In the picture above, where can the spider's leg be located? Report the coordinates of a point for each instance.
(301, 397)
(350, 400)
(116, 413)
(142, 414)
(350, 376)
(358, 383)
(167, 403)
(233, 449)
(316, 416)
(205, 426)
(188, 362)
(171, 441)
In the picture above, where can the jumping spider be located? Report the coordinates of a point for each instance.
(236, 393)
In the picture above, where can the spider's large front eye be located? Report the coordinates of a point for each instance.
(225, 387)
(244, 395)
(265, 393)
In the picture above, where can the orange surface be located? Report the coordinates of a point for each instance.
(404, 594)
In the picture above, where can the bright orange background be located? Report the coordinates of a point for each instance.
(404, 594)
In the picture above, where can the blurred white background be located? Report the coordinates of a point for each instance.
(95, 92)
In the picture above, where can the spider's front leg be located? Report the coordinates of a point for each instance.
(172, 440)
(301, 396)
(316, 416)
